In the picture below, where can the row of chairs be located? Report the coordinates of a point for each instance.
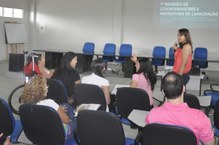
(159, 54)
(109, 52)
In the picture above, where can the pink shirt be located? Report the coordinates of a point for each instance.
(184, 116)
(143, 84)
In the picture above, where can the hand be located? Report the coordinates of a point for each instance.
(7, 141)
(64, 108)
(175, 46)
(134, 58)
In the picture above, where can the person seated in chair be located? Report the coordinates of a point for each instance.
(175, 112)
(35, 92)
(145, 77)
(67, 73)
(97, 78)
(39, 67)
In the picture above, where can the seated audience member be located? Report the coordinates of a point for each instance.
(39, 67)
(175, 112)
(7, 141)
(67, 74)
(35, 92)
(97, 78)
(144, 78)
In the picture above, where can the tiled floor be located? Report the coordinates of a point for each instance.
(9, 80)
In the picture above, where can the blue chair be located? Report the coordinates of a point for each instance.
(124, 51)
(158, 56)
(85, 61)
(101, 128)
(200, 58)
(213, 93)
(8, 125)
(88, 48)
(170, 61)
(42, 125)
(109, 53)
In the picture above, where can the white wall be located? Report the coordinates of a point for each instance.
(67, 24)
(21, 4)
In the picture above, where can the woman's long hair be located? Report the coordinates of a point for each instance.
(187, 35)
(147, 68)
(97, 67)
(65, 63)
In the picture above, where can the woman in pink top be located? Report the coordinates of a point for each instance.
(183, 55)
(144, 78)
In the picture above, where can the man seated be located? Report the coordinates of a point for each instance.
(175, 112)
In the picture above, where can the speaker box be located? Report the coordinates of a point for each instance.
(16, 62)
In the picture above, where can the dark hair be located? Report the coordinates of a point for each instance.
(172, 85)
(147, 68)
(65, 63)
(187, 35)
(97, 67)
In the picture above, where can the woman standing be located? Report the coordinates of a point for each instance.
(183, 55)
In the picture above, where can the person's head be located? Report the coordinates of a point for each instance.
(97, 66)
(184, 37)
(69, 61)
(145, 66)
(35, 90)
(172, 85)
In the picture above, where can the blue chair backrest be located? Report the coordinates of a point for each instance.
(159, 54)
(109, 49)
(170, 62)
(125, 50)
(200, 57)
(88, 48)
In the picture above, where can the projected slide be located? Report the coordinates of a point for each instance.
(187, 13)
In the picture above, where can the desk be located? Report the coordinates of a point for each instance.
(138, 117)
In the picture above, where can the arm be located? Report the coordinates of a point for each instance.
(185, 55)
(61, 111)
(77, 82)
(133, 84)
(106, 94)
(210, 143)
(45, 72)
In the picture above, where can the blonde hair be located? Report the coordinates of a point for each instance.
(35, 90)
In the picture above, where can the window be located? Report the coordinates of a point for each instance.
(18, 13)
(11, 12)
(7, 12)
(0, 11)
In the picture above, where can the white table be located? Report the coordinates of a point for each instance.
(116, 88)
(138, 117)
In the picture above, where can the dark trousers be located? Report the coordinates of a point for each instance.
(186, 78)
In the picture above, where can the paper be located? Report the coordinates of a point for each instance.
(116, 87)
(86, 107)
(138, 117)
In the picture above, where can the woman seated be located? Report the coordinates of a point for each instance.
(144, 78)
(38, 68)
(35, 92)
(97, 78)
(67, 73)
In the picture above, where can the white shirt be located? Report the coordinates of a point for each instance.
(95, 80)
(50, 103)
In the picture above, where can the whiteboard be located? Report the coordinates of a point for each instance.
(15, 33)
